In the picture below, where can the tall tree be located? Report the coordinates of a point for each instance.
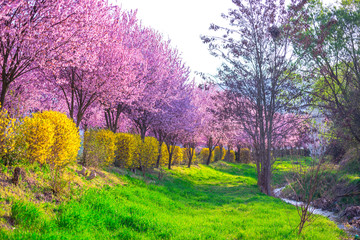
(34, 33)
(259, 72)
(328, 41)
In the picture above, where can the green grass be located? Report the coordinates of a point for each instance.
(284, 167)
(332, 177)
(220, 201)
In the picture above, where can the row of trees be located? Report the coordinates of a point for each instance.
(99, 65)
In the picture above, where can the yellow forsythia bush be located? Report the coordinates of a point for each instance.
(177, 156)
(7, 133)
(146, 152)
(99, 147)
(230, 156)
(164, 155)
(204, 154)
(194, 160)
(50, 138)
(219, 153)
(245, 155)
(125, 150)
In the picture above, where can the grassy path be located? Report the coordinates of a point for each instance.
(216, 202)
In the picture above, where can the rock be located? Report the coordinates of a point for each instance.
(82, 172)
(355, 222)
(352, 212)
(46, 196)
(99, 173)
(92, 175)
(17, 173)
(323, 203)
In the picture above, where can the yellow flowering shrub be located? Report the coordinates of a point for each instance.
(204, 154)
(245, 155)
(230, 156)
(125, 150)
(177, 156)
(194, 159)
(39, 139)
(164, 155)
(219, 153)
(7, 133)
(51, 138)
(146, 152)
(99, 148)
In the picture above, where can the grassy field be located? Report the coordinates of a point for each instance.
(220, 201)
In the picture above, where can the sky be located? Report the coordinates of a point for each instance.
(183, 22)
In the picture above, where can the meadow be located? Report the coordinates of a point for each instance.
(220, 201)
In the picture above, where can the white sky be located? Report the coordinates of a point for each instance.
(183, 22)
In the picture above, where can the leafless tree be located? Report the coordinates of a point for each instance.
(259, 75)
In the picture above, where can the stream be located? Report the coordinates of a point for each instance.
(331, 215)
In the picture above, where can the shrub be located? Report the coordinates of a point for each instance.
(39, 139)
(7, 136)
(245, 155)
(219, 153)
(164, 155)
(146, 152)
(186, 158)
(51, 138)
(230, 156)
(125, 150)
(177, 156)
(204, 154)
(99, 148)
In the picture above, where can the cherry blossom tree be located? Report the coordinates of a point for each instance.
(35, 34)
(164, 78)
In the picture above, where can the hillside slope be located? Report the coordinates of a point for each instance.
(220, 201)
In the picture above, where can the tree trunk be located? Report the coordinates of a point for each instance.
(209, 157)
(190, 152)
(170, 158)
(3, 94)
(159, 155)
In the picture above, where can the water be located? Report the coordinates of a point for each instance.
(331, 215)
